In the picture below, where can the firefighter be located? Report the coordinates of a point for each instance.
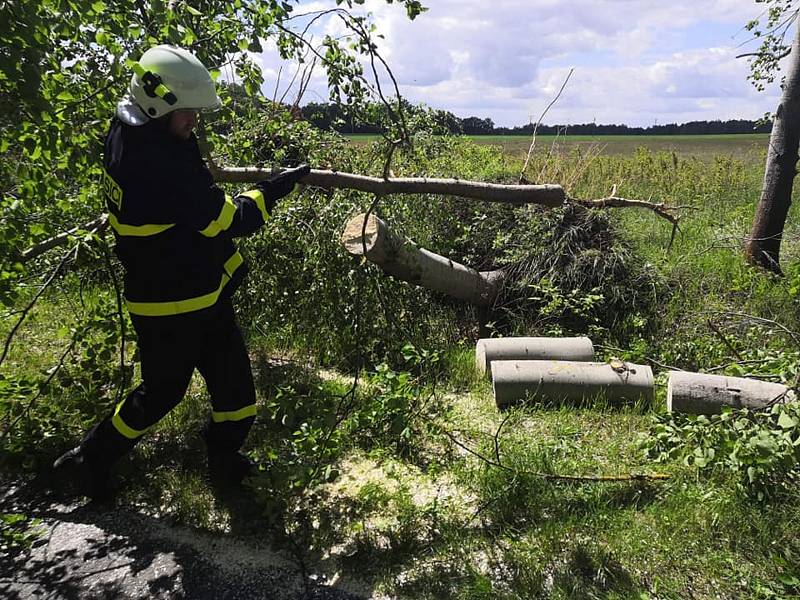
(174, 231)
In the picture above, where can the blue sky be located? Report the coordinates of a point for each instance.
(636, 61)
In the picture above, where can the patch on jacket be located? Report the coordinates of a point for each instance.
(112, 192)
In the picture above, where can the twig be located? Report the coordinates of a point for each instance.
(97, 225)
(42, 388)
(118, 293)
(724, 339)
(776, 58)
(792, 334)
(555, 476)
(536, 127)
(660, 208)
(497, 439)
(31, 304)
(647, 358)
(757, 361)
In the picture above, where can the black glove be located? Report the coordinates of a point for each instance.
(281, 184)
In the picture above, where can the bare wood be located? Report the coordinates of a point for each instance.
(401, 258)
(545, 195)
(704, 394)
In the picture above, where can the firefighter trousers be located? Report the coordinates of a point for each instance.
(170, 349)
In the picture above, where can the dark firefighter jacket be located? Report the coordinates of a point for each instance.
(173, 226)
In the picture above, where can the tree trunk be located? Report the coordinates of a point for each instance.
(401, 258)
(569, 381)
(702, 394)
(531, 348)
(763, 247)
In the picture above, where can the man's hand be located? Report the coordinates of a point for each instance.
(283, 183)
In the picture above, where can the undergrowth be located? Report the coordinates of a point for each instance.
(406, 478)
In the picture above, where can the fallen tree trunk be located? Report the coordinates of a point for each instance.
(531, 348)
(702, 394)
(401, 258)
(546, 195)
(520, 380)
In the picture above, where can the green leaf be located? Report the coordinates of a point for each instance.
(98, 6)
(66, 95)
(787, 422)
(193, 11)
(101, 37)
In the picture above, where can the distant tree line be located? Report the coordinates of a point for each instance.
(329, 117)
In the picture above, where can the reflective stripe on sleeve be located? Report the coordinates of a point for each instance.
(234, 415)
(233, 263)
(258, 198)
(177, 307)
(137, 230)
(222, 221)
(122, 427)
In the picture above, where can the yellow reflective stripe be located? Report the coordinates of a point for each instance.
(223, 220)
(234, 415)
(161, 90)
(258, 198)
(233, 263)
(137, 230)
(177, 307)
(122, 427)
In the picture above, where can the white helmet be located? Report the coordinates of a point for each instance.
(168, 78)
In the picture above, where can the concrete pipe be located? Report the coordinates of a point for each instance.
(518, 380)
(531, 348)
(702, 394)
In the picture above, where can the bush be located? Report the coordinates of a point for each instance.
(762, 449)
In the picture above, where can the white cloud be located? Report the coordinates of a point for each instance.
(636, 60)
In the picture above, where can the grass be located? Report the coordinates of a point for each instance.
(750, 148)
(435, 521)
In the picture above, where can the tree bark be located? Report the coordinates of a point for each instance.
(579, 349)
(702, 394)
(99, 224)
(546, 195)
(569, 381)
(404, 260)
(763, 247)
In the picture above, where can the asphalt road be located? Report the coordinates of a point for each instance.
(87, 552)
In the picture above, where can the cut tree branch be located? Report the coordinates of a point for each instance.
(546, 195)
(550, 195)
(97, 225)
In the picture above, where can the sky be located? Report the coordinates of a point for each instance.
(636, 62)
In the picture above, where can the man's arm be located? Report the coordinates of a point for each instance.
(202, 206)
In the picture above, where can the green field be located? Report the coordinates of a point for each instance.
(746, 147)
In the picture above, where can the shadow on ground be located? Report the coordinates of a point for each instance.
(89, 551)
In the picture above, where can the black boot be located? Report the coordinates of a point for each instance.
(229, 469)
(74, 472)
